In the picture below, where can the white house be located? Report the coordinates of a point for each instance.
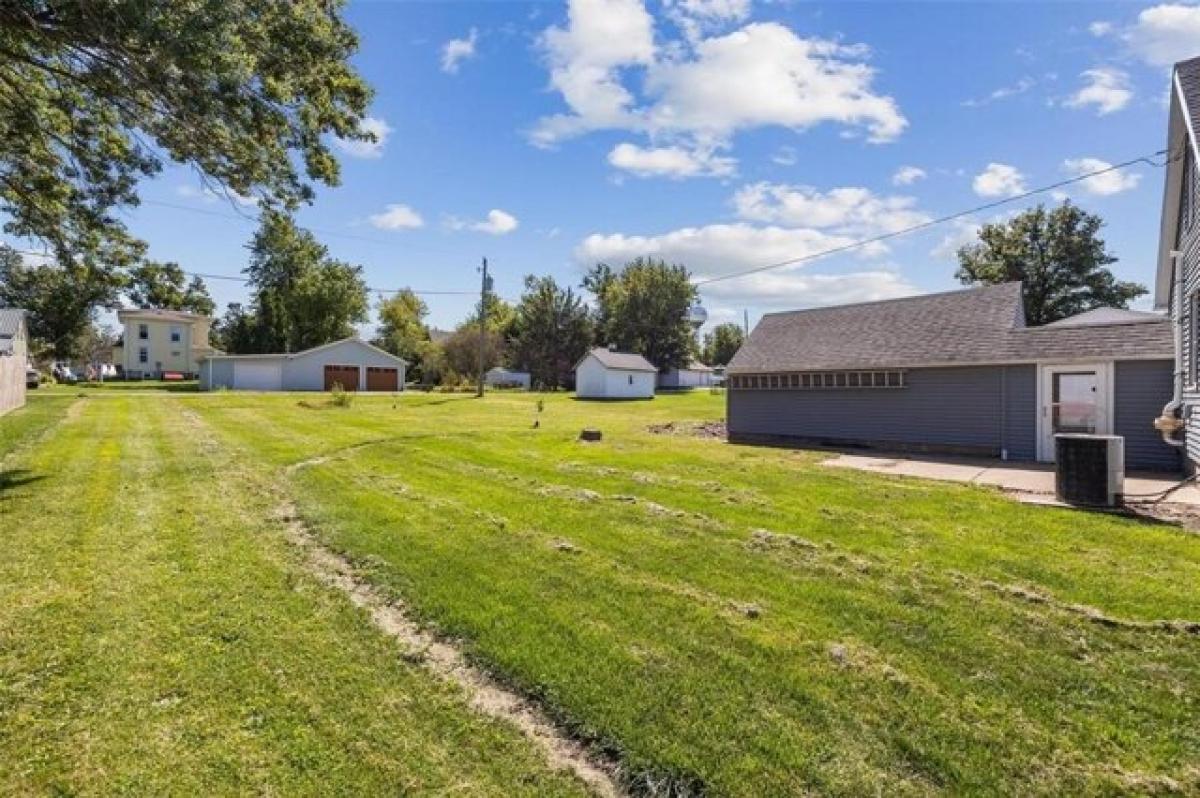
(155, 342)
(14, 354)
(351, 363)
(604, 374)
(500, 377)
(693, 375)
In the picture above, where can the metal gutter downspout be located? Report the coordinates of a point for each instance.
(1169, 423)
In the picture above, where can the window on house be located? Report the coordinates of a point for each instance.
(143, 332)
(176, 334)
(143, 355)
(631, 379)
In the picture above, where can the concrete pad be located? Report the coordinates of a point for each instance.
(1028, 482)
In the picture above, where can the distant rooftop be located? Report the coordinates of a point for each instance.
(625, 361)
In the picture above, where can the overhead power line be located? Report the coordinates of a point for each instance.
(240, 279)
(941, 219)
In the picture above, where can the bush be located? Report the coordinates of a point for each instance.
(340, 397)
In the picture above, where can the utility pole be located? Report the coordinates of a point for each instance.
(484, 289)
(746, 321)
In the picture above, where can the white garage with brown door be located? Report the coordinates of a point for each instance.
(352, 363)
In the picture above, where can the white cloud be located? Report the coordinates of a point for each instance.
(1166, 33)
(695, 17)
(601, 37)
(907, 175)
(1106, 88)
(1100, 28)
(497, 223)
(962, 232)
(396, 217)
(764, 74)
(674, 162)
(455, 51)
(785, 156)
(851, 211)
(367, 149)
(1104, 185)
(701, 92)
(1003, 93)
(714, 249)
(999, 180)
(789, 290)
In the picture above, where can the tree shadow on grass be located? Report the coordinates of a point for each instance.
(13, 478)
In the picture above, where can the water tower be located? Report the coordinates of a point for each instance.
(696, 317)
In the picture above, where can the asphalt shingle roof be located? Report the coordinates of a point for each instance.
(10, 322)
(626, 361)
(969, 327)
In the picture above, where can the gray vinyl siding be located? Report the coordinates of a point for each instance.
(1189, 244)
(1140, 390)
(979, 409)
(12, 373)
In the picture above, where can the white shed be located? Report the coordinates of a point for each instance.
(500, 377)
(604, 374)
(352, 363)
(693, 375)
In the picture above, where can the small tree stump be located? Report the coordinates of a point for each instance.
(590, 434)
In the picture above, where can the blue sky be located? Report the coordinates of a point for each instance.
(721, 134)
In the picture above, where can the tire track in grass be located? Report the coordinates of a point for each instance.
(439, 657)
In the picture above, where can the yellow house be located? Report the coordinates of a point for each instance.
(156, 342)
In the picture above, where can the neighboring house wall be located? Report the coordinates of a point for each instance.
(959, 409)
(157, 352)
(1138, 393)
(1188, 242)
(12, 373)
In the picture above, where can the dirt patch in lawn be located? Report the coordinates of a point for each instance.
(712, 430)
(445, 661)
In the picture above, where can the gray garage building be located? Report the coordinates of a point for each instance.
(351, 362)
(956, 372)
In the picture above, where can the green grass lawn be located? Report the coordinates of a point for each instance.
(737, 620)
(158, 637)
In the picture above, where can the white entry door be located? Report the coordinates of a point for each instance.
(1075, 398)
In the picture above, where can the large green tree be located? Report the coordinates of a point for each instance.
(722, 343)
(302, 297)
(94, 96)
(461, 351)
(551, 332)
(61, 299)
(402, 329)
(1059, 257)
(164, 285)
(643, 308)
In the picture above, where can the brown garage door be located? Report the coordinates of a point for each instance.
(346, 375)
(382, 379)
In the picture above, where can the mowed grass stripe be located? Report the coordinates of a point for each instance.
(443, 523)
(907, 675)
(1124, 567)
(160, 637)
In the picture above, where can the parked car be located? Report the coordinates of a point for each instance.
(32, 378)
(62, 372)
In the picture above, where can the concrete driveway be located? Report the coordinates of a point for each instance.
(1027, 482)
